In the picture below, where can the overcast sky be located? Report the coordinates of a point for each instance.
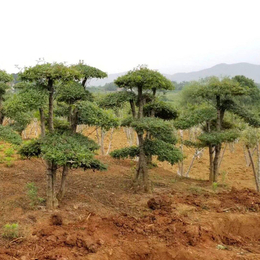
(117, 35)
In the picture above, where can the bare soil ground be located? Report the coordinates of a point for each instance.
(101, 217)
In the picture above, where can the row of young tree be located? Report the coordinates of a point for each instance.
(57, 95)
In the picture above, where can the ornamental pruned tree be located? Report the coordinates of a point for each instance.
(5, 78)
(87, 73)
(215, 97)
(48, 76)
(60, 147)
(155, 135)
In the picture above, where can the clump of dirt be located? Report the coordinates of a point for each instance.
(160, 202)
(242, 200)
(56, 219)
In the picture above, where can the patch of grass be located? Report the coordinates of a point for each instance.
(223, 176)
(2, 159)
(10, 231)
(9, 161)
(2, 147)
(32, 193)
(195, 190)
(214, 186)
(9, 152)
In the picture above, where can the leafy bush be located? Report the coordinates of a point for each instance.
(9, 161)
(31, 149)
(9, 152)
(8, 135)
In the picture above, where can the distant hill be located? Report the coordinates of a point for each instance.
(249, 70)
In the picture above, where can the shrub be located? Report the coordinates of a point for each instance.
(11, 231)
(32, 193)
(9, 152)
(9, 161)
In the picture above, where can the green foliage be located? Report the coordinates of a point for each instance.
(110, 87)
(72, 92)
(253, 95)
(117, 99)
(145, 78)
(9, 152)
(88, 72)
(10, 231)
(19, 107)
(163, 150)
(213, 86)
(215, 138)
(4, 79)
(161, 109)
(189, 143)
(74, 150)
(31, 148)
(243, 112)
(61, 124)
(250, 136)
(9, 161)
(43, 73)
(158, 128)
(195, 115)
(8, 135)
(91, 114)
(125, 152)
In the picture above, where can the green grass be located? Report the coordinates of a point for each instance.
(10, 231)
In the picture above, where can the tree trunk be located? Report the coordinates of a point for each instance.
(211, 152)
(180, 164)
(133, 108)
(74, 120)
(141, 172)
(102, 138)
(222, 155)
(220, 116)
(51, 101)
(110, 140)
(216, 162)
(62, 190)
(1, 113)
(42, 119)
(52, 201)
(253, 167)
(84, 82)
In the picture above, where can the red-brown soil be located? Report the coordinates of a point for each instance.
(101, 217)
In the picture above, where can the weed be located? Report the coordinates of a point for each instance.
(221, 247)
(2, 147)
(196, 190)
(9, 152)
(32, 193)
(11, 231)
(223, 176)
(214, 186)
(2, 159)
(9, 161)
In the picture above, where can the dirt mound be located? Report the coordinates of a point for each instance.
(240, 200)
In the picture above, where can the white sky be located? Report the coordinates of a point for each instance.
(117, 35)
